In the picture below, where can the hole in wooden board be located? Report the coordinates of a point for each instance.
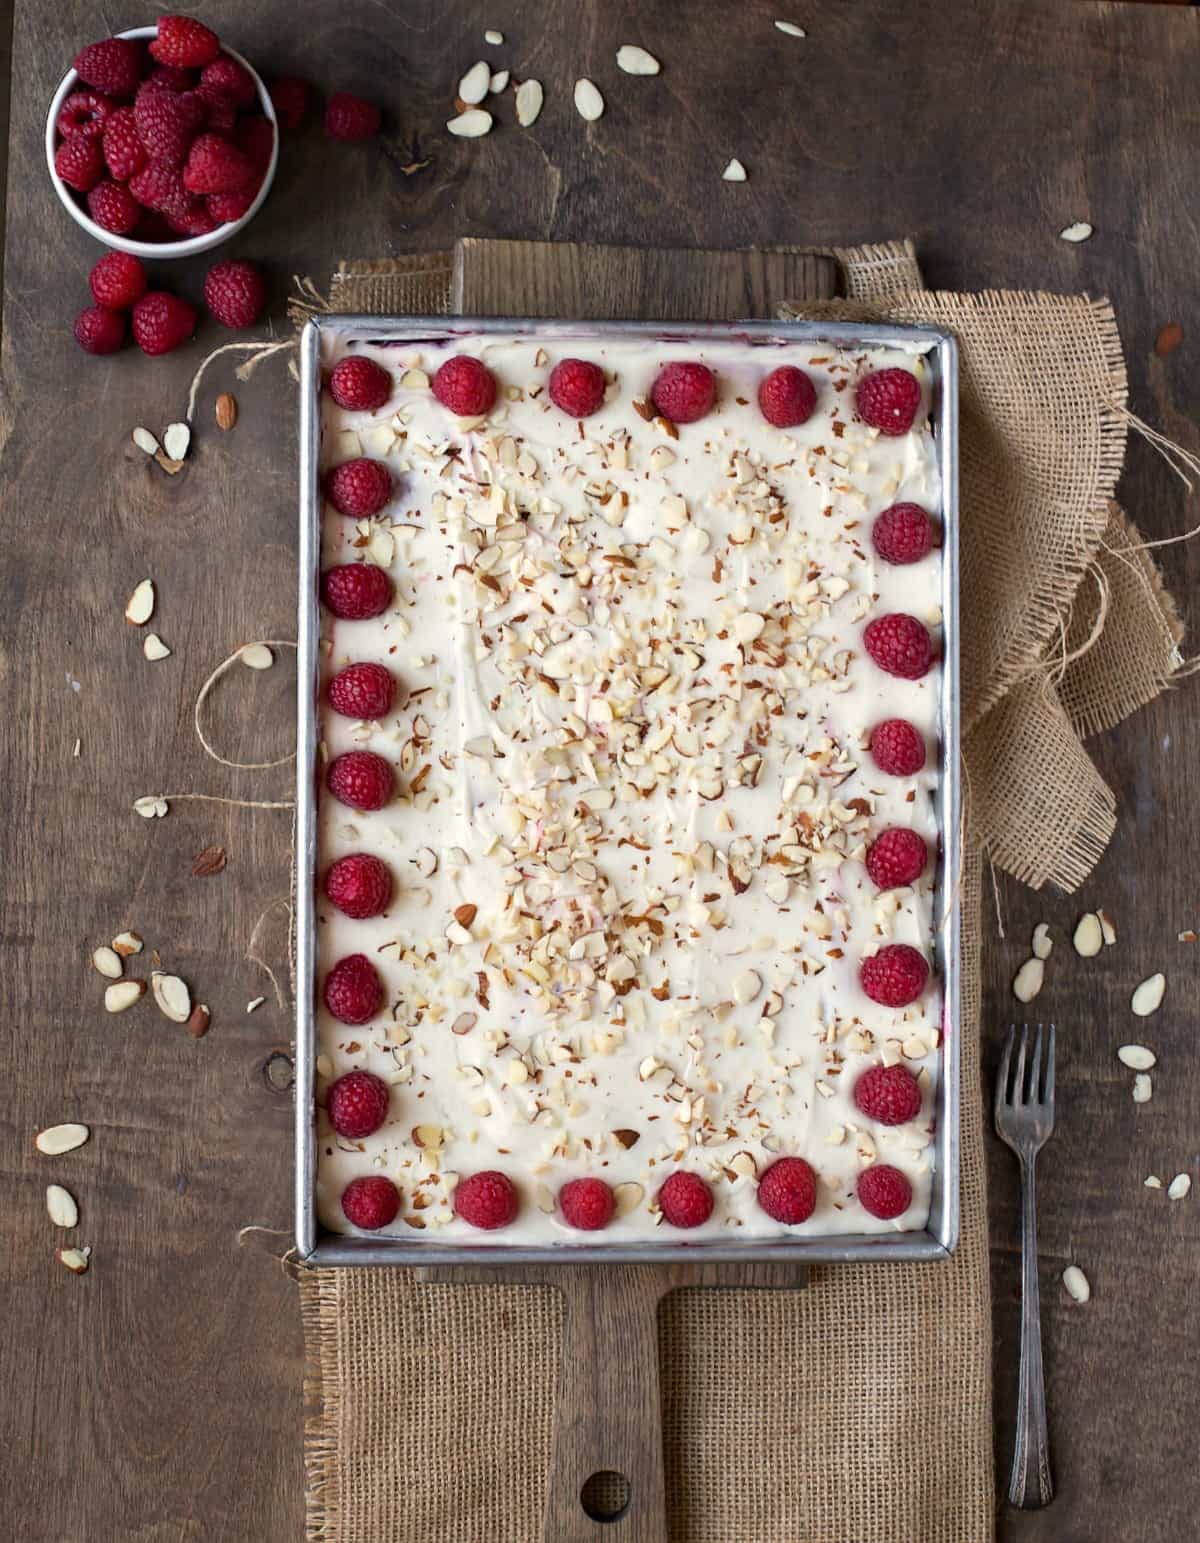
(605, 1496)
(279, 1072)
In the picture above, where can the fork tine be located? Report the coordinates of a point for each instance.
(1048, 1087)
(1035, 1069)
(1018, 1090)
(1002, 1075)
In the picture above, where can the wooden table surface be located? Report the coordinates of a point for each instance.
(159, 1397)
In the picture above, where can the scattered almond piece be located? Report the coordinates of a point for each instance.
(127, 944)
(257, 656)
(122, 995)
(1143, 1088)
(171, 466)
(1080, 231)
(172, 996)
(734, 171)
(57, 1139)
(473, 87)
(791, 29)
(226, 411)
(589, 104)
(1187, 936)
(1152, 1181)
(529, 102)
(472, 124)
(1089, 936)
(198, 1021)
(1168, 339)
(145, 441)
(176, 439)
(746, 986)
(150, 806)
(627, 1197)
(75, 1259)
(1042, 943)
(255, 1002)
(636, 61)
(1076, 1283)
(108, 962)
(140, 606)
(77, 748)
(498, 83)
(1107, 930)
(493, 37)
(1028, 980)
(1137, 1057)
(1147, 998)
(1179, 1186)
(61, 1207)
(211, 860)
(154, 648)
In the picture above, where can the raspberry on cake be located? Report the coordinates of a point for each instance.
(359, 384)
(685, 1200)
(897, 857)
(684, 392)
(902, 534)
(359, 885)
(888, 400)
(361, 779)
(359, 488)
(787, 1191)
(586, 1204)
(353, 992)
(362, 691)
(890, 1095)
(466, 386)
(371, 1202)
(356, 591)
(787, 397)
(577, 387)
(895, 976)
(486, 1200)
(897, 748)
(357, 1104)
(900, 644)
(884, 1192)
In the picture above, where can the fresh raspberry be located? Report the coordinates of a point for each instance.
(487, 1200)
(124, 153)
(226, 207)
(159, 185)
(357, 1104)
(900, 644)
(577, 387)
(162, 321)
(84, 112)
(289, 97)
(370, 1202)
(216, 165)
(356, 591)
(685, 1200)
(173, 79)
(895, 976)
(359, 488)
(349, 117)
(118, 280)
(684, 392)
(787, 397)
(227, 75)
(194, 221)
(359, 384)
(361, 779)
(902, 534)
(883, 1191)
(255, 136)
(79, 162)
(167, 122)
(465, 386)
(99, 330)
(184, 42)
(897, 748)
(890, 1095)
(887, 400)
(113, 207)
(897, 857)
(115, 66)
(359, 885)
(220, 111)
(362, 691)
(353, 991)
(235, 293)
(586, 1204)
(787, 1191)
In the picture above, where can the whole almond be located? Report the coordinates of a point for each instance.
(208, 862)
(61, 1207)
(226, 411)
(197, 1024)
(123, 994)
(57, 1139)
(464, 915)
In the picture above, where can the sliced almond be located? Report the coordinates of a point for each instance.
(493, 37)
(529, 102)
(746, 986)
(734, 171)
(168, 463)
(498, 83)
(473, 87)
(1143, 1088)
(1152, 1181)
(544, 1199)
(127, 944)
(150, 806)
(627, 1198)
(1179, 1186)
(428, 1137)
(172, 996)
(108, 962)
(61, 1207)
(139, 608)
(1080, 231)
(1137, 1057)
(627, 1138)
(1028, 980)
(464, 1023)
(1076, 1283)
(154, 648)
(257, 656)
(1108, 931)
(473, 124)
(145, 441)
(1147, 998)
(122, 995)
(636, 61)
(589, 104)
(1042, 943)
(1089, 936)
(791, 29)
(57, 1139)
(176, 439)
(426, 862)
(75, 1259)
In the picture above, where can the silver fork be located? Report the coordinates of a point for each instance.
(1025, 1122)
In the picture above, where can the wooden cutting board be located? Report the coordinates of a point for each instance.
(607, 1413)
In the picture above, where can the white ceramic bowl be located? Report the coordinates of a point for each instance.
(189, 246)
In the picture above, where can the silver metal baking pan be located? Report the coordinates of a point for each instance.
(319, 1247)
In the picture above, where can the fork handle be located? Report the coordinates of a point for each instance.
(1030, 1485)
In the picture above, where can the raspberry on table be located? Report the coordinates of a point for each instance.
(362, 691)
(161, 321)
(897, 748)
(358, 384)
(897, 858)
(884, 1192)
(79, 161)
(113, 207)
(684, 392)
(902, 534)
(486, 1200)
(235, 293)
(465, 386)
(890, 1095)
(787, 1191)
(289, 97)
(353, 991)
(356, 591)
(184, 42)
(360, 885)
(117, 280)
(359, 488)
(357, 1104)
(895, 976)
(167, 121)
(86, 113)
(370, 1202)
(99, 330)
(899, 644)
(685, 1200)
(787, 397)
(888, 400)
(226, 207)
(124, 153)
(230, 78)
(577, 387)
(159, 185)
(361, 779)
(586, 1204)
(114, 65)
(349, 117)
(216, 165)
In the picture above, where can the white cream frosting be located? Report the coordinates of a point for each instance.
(632, 709)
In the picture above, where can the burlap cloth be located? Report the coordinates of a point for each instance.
(858, 1410)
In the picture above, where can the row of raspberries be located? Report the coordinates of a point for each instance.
(234, 293)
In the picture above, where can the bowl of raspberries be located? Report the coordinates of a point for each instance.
(162, 141)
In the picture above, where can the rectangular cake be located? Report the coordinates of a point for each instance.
(627, 831)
